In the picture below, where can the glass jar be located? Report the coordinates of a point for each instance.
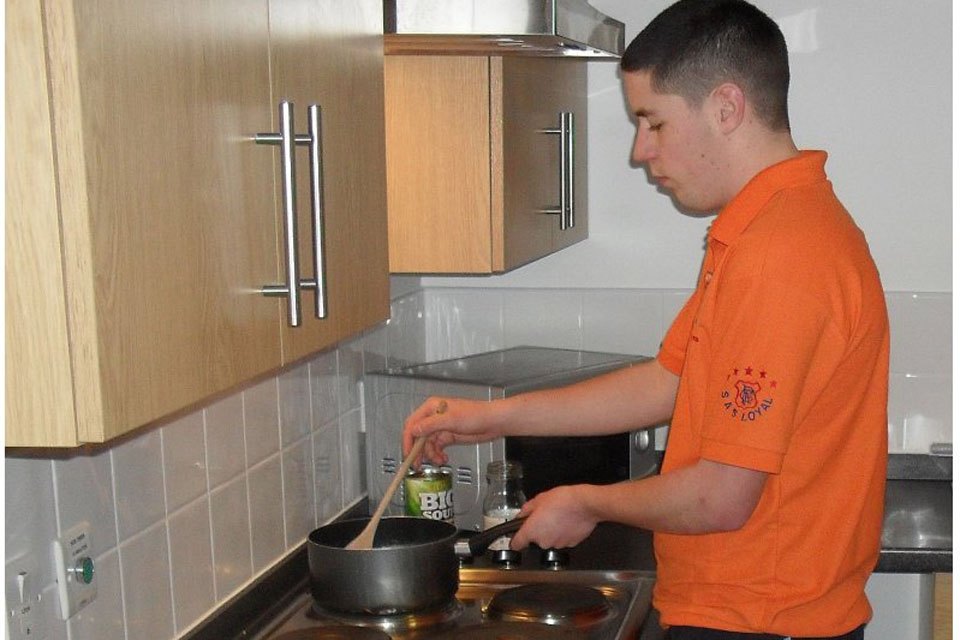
(503, 499)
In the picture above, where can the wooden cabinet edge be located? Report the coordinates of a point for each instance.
(39, 399)
(74, 219)
(498, 229)
(943, 606)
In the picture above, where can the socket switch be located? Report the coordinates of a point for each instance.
(23, 612)
(76, 577)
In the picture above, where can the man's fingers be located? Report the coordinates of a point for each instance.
(520, 539)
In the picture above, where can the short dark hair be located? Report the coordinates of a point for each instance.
(693, 46)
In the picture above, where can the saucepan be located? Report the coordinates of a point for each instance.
(413, 564)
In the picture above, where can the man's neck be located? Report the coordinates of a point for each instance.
(756, 153)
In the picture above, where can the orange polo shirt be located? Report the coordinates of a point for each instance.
(782, 353)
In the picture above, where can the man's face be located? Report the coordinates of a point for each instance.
(678, 144)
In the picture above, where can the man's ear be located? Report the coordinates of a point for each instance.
(730, 106)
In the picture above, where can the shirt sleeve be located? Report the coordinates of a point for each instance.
(674, 346)
(773, 347)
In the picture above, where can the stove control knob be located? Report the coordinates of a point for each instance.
(506, 558)
(555, 558)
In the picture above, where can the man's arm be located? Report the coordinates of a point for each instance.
(703, 498)
(706, 497)
(637, 396)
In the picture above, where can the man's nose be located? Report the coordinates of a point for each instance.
(643, 148)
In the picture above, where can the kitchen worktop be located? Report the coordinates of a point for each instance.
(918, 515)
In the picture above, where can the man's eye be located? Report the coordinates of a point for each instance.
(655, 127)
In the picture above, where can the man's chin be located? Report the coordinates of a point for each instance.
(691, 207)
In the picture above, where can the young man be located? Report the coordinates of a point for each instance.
(768, 508)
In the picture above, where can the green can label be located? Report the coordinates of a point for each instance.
(429, 494)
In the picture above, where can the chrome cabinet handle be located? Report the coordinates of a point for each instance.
(319, 282)
(287, 141)
(566, 208)
(566, 124)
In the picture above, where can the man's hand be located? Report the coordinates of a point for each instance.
(447, 421)
(555, 519)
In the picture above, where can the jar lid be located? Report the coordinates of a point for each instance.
(505, 469)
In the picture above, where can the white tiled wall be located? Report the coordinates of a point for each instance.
(921, 381)
(464, 320)
(188, 513)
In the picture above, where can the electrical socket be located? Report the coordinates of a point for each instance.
(76, 578)
(23, 599)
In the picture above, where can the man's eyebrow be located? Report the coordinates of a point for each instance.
(644, 113)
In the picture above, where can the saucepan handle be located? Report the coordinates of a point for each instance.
(477, 544)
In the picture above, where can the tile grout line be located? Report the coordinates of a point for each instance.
(166, 527)
(59, 526)
(337, 384)
(312, 443)
(116, 526)
(580, 324)
(283, 483)
(246, 475)
(209, 491)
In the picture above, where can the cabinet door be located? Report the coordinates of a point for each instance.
(166, 205)
(330, 53)
(39, 397)
(438, 164)
(532, 94)
(469, 168)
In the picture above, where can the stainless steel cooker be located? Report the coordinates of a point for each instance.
(599, 589)
(550, 603)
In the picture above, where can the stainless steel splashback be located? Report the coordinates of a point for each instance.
(390, 396)
(524, 27)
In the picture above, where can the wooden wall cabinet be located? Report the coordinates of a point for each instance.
(141, 218)
(470, 163)
(330, 53)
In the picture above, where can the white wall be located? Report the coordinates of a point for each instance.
(871, 84)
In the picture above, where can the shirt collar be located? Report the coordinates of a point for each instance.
(805, 168)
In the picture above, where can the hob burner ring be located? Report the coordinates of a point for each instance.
(337, 632)
(562, 604)
(511, 631)
(439, 616)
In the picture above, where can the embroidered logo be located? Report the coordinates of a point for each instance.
(747, 397)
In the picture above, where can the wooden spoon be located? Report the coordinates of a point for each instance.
(364, 539)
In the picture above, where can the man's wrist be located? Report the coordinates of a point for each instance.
(589, 499)
(498, 418)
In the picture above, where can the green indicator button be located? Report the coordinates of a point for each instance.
(84, 570)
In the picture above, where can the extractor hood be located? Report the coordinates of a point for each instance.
(500, 27)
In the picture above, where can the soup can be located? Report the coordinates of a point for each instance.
(429, 494)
